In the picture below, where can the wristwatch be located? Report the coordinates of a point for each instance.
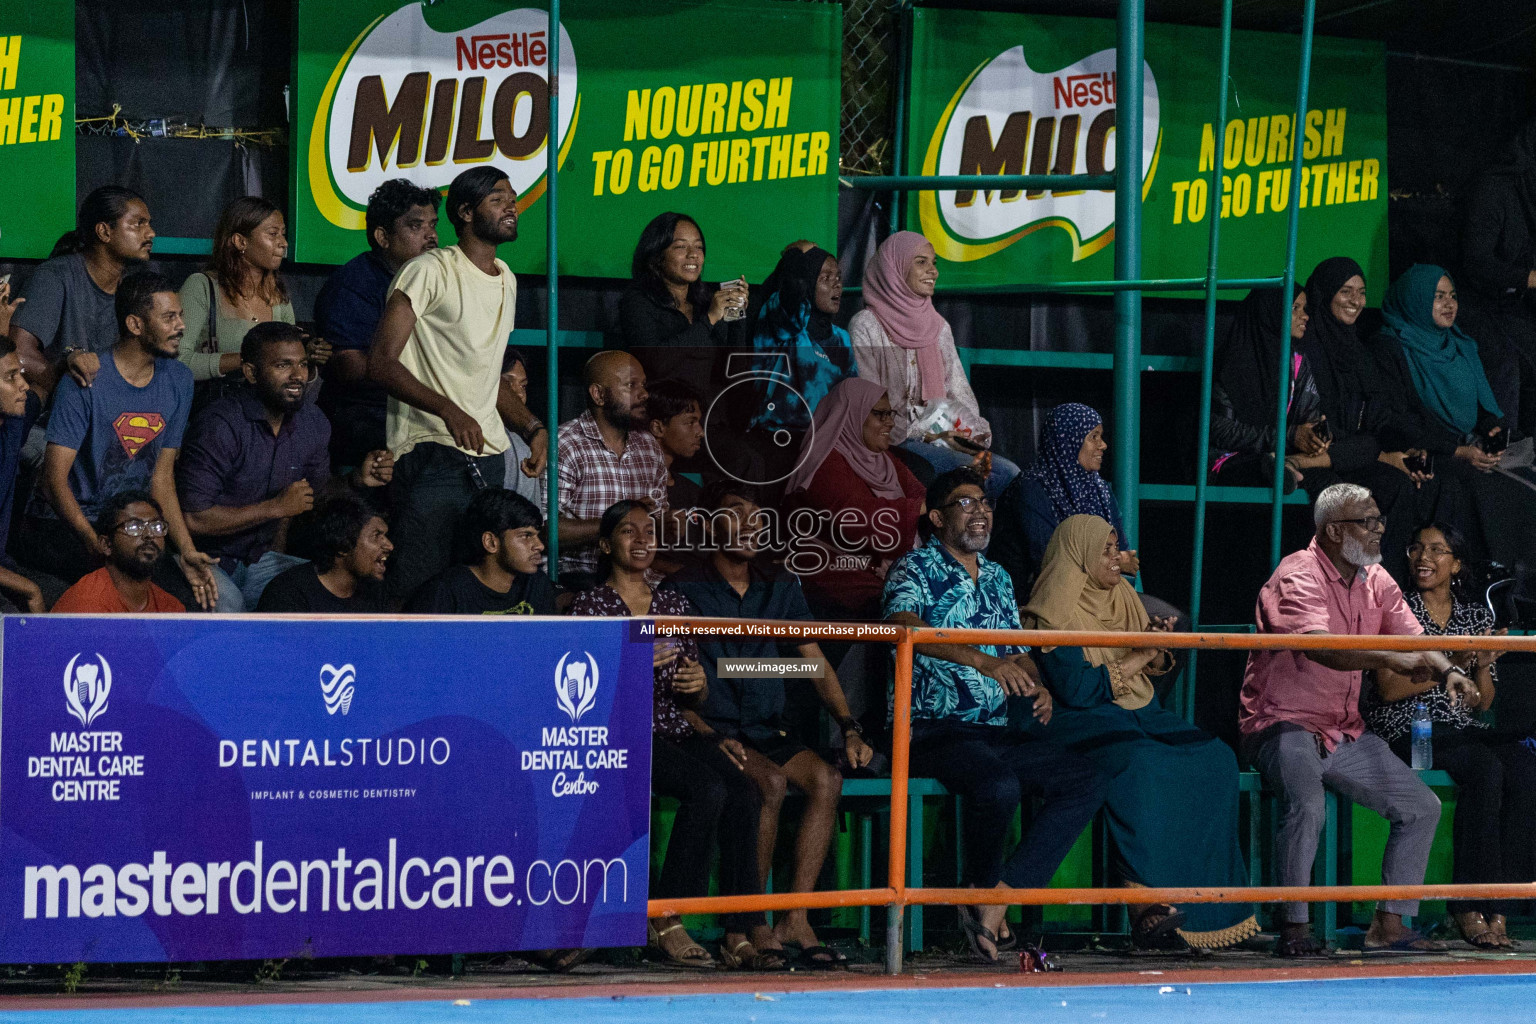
(850, 724)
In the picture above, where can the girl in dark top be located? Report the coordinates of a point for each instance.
(1358, 403)
(670, 318)
(1494, 836)
(703, 772)
(1244, 394)
(679, 326)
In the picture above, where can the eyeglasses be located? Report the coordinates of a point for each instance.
(139, 528)
(971, 504)
(1371, 523)
(884, 414)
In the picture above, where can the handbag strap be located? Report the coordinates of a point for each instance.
(211, 342)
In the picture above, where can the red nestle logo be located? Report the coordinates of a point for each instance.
(1095, 90)
(503, 50)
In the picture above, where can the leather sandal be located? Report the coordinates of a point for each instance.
(1476, 931)
(744, 956)
(692, 955)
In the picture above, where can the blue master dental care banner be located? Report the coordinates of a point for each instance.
(185, 788)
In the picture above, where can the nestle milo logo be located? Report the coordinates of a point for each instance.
(1008, 118)
(406, 100)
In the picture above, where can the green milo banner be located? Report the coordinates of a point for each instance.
(725, 111)
(1015, 93)
(37, 126)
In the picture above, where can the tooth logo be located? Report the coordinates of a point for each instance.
(336, 687)
(408, 101)
(1008, 118)
(86, 687)
(575, 686)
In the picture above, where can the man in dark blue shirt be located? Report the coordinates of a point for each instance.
(401, 222)
(19, 409)
(750, 710)
(256, 458)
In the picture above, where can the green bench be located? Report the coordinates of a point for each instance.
(1325, 869)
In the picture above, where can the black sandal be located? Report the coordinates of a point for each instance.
(975, 931)
(821, 958)
(1154, 925)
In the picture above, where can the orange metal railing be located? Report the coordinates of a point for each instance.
(896, 896)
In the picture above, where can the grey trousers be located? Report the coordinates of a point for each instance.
(1365, 771)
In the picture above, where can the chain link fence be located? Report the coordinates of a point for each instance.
(870, 65)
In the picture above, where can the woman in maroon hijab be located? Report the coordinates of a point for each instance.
(866, 503)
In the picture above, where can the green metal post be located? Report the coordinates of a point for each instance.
(1128, 170)
(903, 16)
(1293, 221)
(1186, 699)
(552, 283)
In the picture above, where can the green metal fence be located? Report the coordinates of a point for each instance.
(876, 72)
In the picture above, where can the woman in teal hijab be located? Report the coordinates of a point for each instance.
(1447, 406)
(1444, 406)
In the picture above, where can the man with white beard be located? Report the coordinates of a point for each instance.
(1300, 716)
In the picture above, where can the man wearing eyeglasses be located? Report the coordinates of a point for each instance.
(130, 533)
(1300, 716)
(961, 732)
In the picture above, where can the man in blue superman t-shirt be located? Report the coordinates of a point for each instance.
(121, 433)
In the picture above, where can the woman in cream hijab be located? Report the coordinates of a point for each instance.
(1172, 807)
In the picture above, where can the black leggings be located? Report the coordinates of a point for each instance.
(717, 799)
(1494, 832)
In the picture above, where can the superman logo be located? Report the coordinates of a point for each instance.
(137, 429)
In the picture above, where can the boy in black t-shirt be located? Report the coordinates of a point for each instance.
(500, 554)
(348, 544)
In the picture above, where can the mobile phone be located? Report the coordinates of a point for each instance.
(1493, 444)
(1322, 431)
(1423, 463)
(5, 279)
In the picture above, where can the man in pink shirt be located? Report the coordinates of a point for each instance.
(1300, 715)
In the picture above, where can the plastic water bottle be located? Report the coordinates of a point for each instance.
(1423, 752)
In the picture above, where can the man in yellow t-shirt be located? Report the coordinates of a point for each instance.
(437, 351)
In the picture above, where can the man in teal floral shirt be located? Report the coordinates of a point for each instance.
(960, 707)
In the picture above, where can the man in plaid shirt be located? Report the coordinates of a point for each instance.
(605, 455)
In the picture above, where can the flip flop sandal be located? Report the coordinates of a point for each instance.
(692, 956)
(754, 960)
(1008, 942)
(1302, 947)
(821, 958)
(1154, 924)
(558, 961)
(975, 931)
(1412, 942)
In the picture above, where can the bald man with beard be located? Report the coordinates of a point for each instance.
(605, 455)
